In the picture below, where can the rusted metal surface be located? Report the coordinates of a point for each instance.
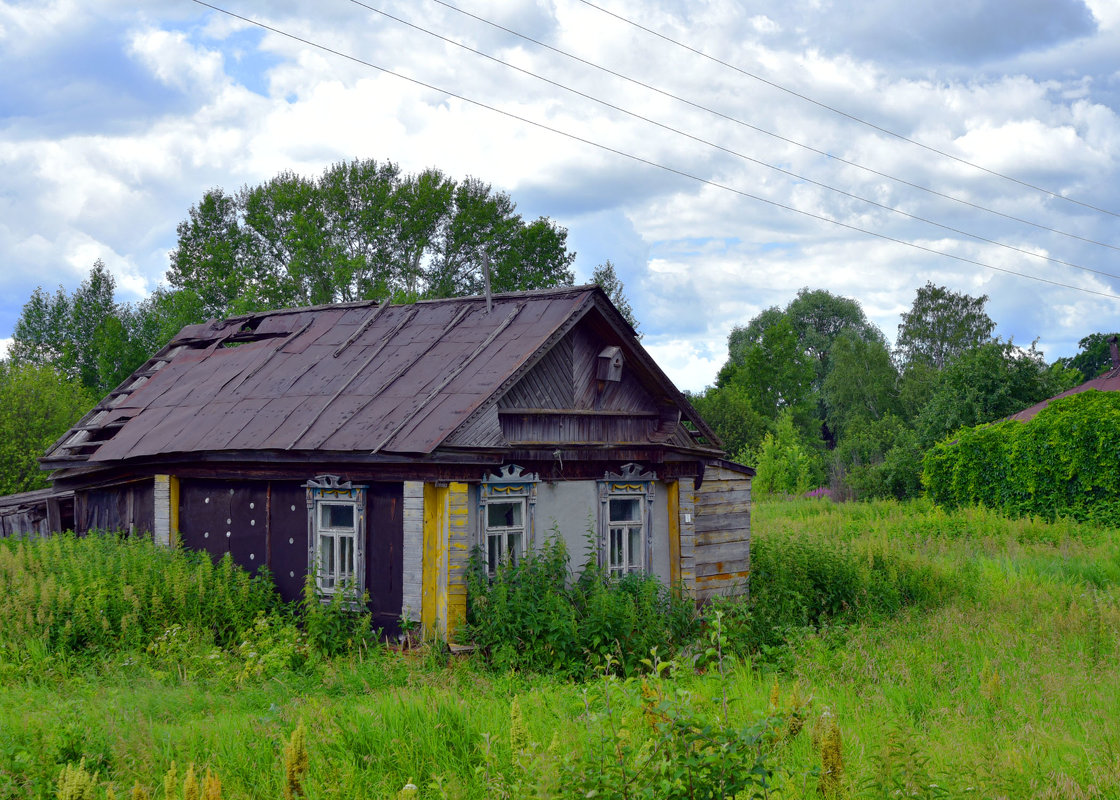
(369, 378)
(1109, 382)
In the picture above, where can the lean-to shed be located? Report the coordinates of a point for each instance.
(375, 446)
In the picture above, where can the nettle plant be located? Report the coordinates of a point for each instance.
(535, 614)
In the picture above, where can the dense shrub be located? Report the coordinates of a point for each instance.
(811, 580)
(1064, 462)
(537, 615)
(108, 592)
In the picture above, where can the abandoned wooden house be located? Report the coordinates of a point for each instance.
(375, 446)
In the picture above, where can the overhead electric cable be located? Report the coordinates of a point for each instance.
(640, 159)
(778, 136)
(842, 113)
(728, 150)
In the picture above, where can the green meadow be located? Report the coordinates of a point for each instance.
(887, 650)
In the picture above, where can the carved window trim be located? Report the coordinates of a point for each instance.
(325, 491)
(510, 484)
(632, 481)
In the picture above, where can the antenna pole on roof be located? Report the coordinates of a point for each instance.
(486, 279)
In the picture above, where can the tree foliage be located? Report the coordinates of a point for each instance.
(984, 384)
(605, 278)
(37, 405)
(361, 230)
(86, 336)
(1094, 356)
(941, 325)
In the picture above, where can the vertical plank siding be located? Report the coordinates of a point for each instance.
(458, 561)
(412, 577)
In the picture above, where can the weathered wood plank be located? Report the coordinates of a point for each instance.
(720, 522)
(724, 551)
(719, 537)
(722, 568)
(723, 495)
(723, 509)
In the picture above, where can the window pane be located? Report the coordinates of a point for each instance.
(326, 561)
(626, 509)
(505, 514)
(617, 555)
(337, 515)
(346, 558)
(493, 552)
(513, 541)
(636, 549)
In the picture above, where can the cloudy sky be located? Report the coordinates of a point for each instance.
(115, 117)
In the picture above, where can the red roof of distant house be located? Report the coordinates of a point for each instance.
(1108, 382)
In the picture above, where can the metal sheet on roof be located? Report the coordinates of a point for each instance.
(408, 379)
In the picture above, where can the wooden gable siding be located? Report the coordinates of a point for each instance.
(723, 532)
(560, 400)
(548, 384)
(627, 394)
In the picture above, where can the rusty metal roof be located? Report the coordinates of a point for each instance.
(351, 377)
(1108, 382)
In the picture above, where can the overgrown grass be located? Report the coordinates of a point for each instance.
(926, 654)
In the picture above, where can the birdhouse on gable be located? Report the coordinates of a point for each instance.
(610, 364)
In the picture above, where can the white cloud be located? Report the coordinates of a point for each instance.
(704, 259)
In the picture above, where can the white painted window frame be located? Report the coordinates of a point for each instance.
(510, 484)
(631, 482)
(322, 492)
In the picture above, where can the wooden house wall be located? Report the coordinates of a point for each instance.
(24, 521)
(128, 508)
(266, 523)
(722, 523)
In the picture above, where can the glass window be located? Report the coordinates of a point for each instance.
(336, 534)
(625, 534)
(505, 532)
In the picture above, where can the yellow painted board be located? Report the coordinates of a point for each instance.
(674, 500)
(433, 598)
(174, 492)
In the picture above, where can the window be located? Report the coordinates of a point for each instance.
(506, 503)
(336, 551)
(505, 532)
(625, 532)
(626, 498)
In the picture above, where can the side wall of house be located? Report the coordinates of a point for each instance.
(722, 523)
(266, 523)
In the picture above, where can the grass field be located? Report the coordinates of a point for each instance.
(957, 655)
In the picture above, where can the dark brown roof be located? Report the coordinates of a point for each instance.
(358, 377)
(1108, 382)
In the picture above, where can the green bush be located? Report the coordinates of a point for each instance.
(811, 580)
(106, 592)
(1063, 463)
(536, 615)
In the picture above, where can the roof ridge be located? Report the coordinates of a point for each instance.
(555, 291)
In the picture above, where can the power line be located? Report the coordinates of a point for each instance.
(640, 159)
(778, 136)
(728, 150)
(852, 117)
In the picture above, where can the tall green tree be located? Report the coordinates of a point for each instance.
(86, 335)
(37, 405)
(1094, 356)
(361, 230)
(941, 325)
(606, 279)
(861, 384)
(986, 383)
